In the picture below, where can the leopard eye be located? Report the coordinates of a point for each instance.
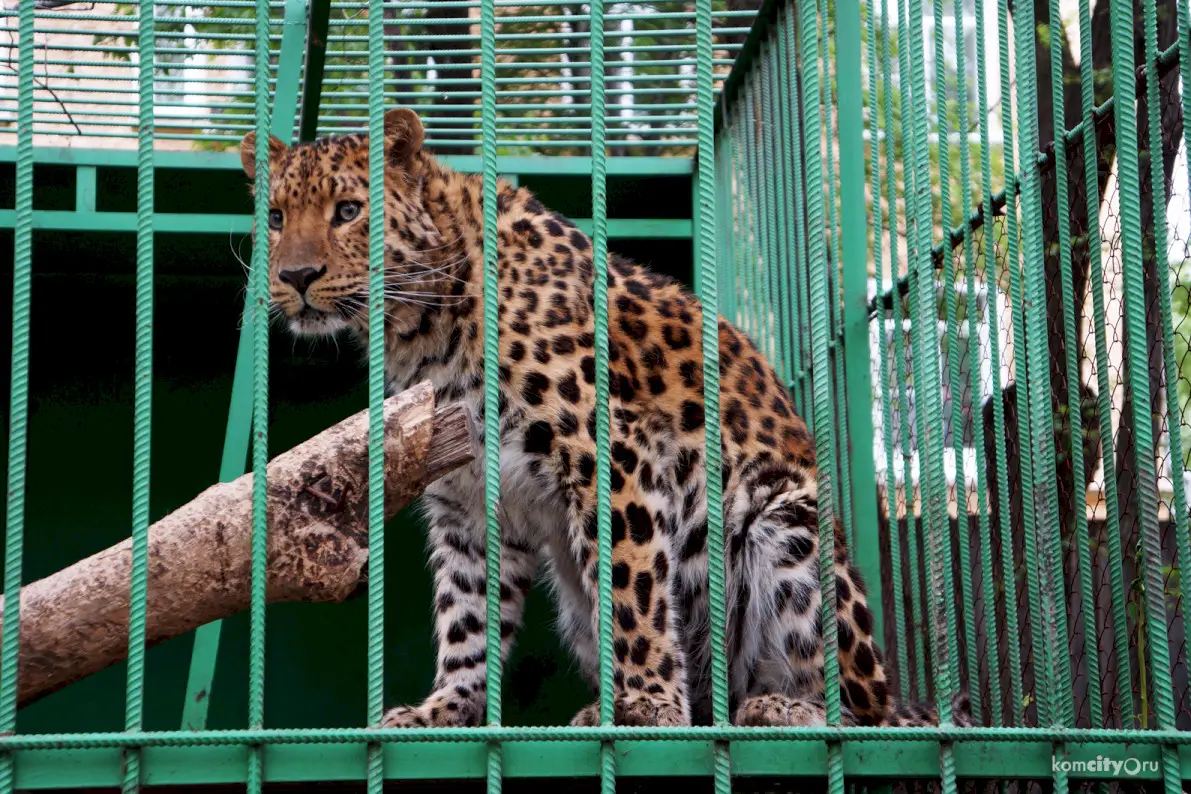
(275, 219)
(347, 211)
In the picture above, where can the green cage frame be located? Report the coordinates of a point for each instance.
(794, 275)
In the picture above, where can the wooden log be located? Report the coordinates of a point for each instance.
(75, 622)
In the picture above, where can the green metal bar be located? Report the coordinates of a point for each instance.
(857, 362)
(872, 737)
(1120, 625)
(834, 277)
(957, 427)
(764, 145)
(376, 390)
(1059, 666)
(1175, 412)
(196, 223)
(978, 433)
(943, 548)
(816, 224)
(909, 91)
(18, 411)
(680, 760)
(599, 211)
(142, 405)
(1016, 671)
(709, 295)
(788, 37)
(1163, 686)
(787, 245)
(780, 244)
(927, 386)
(880, 51)
(1039, 498)
(471, 164)
(259, 319)
(488, 38)
(317, 19)
(205, 651)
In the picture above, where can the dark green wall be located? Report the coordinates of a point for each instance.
(80, 452)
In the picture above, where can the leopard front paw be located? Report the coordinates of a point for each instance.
(639, 711)
(449, 710)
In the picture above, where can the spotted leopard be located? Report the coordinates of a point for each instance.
(318, 229)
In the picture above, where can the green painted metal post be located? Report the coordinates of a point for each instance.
(854, 242)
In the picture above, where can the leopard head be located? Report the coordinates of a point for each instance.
(319, 217)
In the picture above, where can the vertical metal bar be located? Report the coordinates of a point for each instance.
(783, 203)
(910, 91)
(1152, 542)
(791, 141)
(260, 393)
(709, 296)
(18, 413)
(816, 225)
(491, 382)
(755, 233)
(978, 433)
(801, 269)
(1017, 708)
(1026, 428)
(948, 282)
(961, 487)
(599, 217)
(835, 275)
(1061, 709)
(1120, 625)
(927, 388)
(1039, 497)
(854, 255)
(1182, 537)
(142, 398)
(376, 388)
(878, 53)
(769, 214)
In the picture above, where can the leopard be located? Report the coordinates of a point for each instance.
(434, 274)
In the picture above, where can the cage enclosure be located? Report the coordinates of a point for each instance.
(963, 196)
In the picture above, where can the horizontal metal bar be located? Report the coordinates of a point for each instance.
(195, 223)
(42, 769)
(502, 734)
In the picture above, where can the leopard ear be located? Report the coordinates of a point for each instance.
(403, 135)
(277, 150)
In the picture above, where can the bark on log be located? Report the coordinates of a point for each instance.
(75, 622)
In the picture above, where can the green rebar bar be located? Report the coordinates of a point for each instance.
(599, 215)
(927, 386)
(910, 90)
(18, 412)
(1012, 626)
(260, 393)
(957, 424)
(376, 389)
(1120, 626)
(890, 371)
(978, 434)
(823, 405)
(1152, 539)
(142, 403)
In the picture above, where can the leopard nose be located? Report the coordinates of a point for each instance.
(301, 278)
